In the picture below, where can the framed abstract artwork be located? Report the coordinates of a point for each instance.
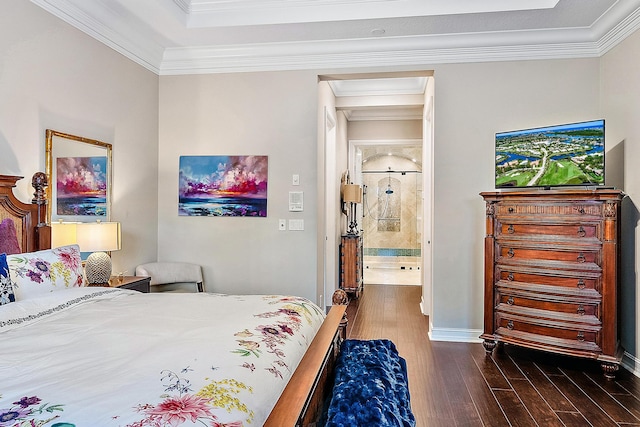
(79, 173)
(223, 186)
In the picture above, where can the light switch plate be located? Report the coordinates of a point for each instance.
(295, 180)
(296, 224)
(282, 224)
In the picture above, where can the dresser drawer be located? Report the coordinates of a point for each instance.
(588, 233)
(543, 304)
(567, 210)
(558, 281)
(575, 257)
(581, 337)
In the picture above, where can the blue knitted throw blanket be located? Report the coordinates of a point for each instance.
(371, 387)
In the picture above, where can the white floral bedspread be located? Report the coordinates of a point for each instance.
(108, 357)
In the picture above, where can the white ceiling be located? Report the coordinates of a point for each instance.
(215, 36)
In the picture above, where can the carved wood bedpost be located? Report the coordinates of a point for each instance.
(43, 231)
(340, 297)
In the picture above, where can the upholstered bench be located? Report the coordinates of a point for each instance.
(371, 386)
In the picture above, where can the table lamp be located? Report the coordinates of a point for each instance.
(98, 238)
(352, 194)
(63, 233)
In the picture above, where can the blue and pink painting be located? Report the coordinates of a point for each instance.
(223, 186)
(81, 186)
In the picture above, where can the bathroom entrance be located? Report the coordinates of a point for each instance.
(391, 212)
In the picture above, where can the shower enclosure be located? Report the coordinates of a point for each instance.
(392, 219)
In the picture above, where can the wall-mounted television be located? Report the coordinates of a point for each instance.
(551, 156)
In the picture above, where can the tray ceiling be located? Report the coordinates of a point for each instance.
(216, 36)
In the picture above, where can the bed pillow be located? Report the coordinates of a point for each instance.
(8, 237)
(6, 290)
(35, 273)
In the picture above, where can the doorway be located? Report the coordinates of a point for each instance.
(367, 106)
(391, 178)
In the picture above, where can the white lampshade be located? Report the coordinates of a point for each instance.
(98, 236)
(63, 233)
(352, 193)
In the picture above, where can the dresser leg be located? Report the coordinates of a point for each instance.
(489, 345)
(609, 369)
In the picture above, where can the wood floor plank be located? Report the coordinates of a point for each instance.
(513, 408)
(554, 398)
(510, 370)
(604, 400)
(573, 419)
(483, 398)
(591, 411)
(630, 402)
(490, 371)
(538, 407)
(454, 388)
(629, 382)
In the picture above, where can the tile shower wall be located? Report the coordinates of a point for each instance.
(391, 208)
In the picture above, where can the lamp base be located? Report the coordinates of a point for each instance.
(97, 269)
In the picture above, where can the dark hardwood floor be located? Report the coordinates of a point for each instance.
(456, 384)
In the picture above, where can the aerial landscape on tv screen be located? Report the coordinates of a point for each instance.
(571, 154)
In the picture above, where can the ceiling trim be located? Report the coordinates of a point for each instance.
(411, 51)
(361, 53)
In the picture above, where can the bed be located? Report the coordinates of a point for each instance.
(91, 356)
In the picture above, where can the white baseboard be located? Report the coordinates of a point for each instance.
(631, 363)
(454, 335)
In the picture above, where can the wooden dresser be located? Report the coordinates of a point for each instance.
(552, 272)
(351, 264)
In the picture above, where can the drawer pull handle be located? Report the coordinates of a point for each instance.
(510, 325)
(581, 210)
(510, 230)
(581, 310)
(580, 336)
(510, 277)
(581, 232)
(581, 284)
(511, 253)
(511, 210)
(581, 257)
(510, 301)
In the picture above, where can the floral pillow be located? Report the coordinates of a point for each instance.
(45, 271)
(6, 290)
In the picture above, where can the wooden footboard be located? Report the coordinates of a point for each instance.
(302, 401)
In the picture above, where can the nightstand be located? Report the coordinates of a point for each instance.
(136, 283)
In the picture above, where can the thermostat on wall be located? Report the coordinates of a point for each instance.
(296, 201)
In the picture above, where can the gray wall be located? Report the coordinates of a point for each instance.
(52, 76)
(620, 99)
(272, 114)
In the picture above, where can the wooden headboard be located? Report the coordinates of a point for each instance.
(30, 219)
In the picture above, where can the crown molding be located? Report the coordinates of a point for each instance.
(385, 52)
(621, 31)
(395, 52)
